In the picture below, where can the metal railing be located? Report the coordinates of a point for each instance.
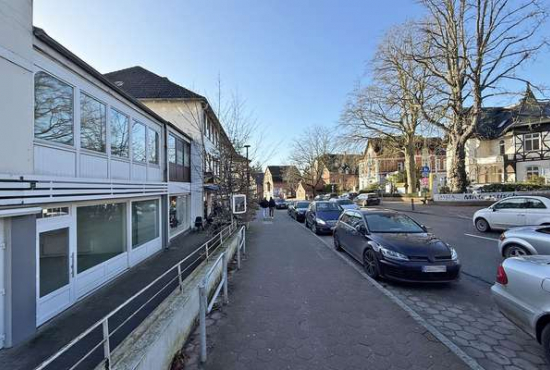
(169, 279)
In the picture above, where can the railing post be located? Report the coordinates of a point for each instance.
(221, 238)
(224, 277)
(106, 346)
(179, 278)
(206, 247)
(244, 240)
(202, 321)
(239, 256)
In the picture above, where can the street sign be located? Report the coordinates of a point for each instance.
(425, 181)
(239, 204)
(425, 169)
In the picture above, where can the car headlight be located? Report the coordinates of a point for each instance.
(320, 221)
(454, 255)
(387, 253)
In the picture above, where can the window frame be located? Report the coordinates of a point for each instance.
(145, 157)
(110, 133)
(107, 138)
(532, 138)
(73, 98)
(150, 130)
(531, 171)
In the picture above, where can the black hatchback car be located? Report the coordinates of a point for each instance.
(298, 210)
(322, 216)
(394, 246)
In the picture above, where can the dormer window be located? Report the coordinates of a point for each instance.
(531, 142)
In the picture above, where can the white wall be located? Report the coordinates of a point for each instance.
(16, 102)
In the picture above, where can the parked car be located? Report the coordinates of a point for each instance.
(524, 241)
(322, 216)
(392, 245)
(367, 199)
(346, 203)
(290, 206)
(299, 210)
(513, 212)
(280, 203)
(522, 293)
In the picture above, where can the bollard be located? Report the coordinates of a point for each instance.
(202, 320)
(412, 204)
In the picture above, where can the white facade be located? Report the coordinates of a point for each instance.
(90, 166)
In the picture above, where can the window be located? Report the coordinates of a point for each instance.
(53, 109)
(516, 203)
(145, 222)
(53, 212)
(153, 146)
(120, 133)
(138, 142)
(93, 123)
(179, 214)
(53, 260)
(531, 142)
(532, 171)
(535, 204)
(101, 234)
(178, 159)
(501, 147)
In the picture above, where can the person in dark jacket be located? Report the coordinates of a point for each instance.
(271, 207)
(265, 205)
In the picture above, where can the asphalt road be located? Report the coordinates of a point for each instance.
(463, 311)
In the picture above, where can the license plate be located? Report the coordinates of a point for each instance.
(436, 268)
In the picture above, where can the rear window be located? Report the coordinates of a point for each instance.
(302, 205)
(328, 206)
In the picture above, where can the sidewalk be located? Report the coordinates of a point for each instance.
(55, 334)
(296, 305)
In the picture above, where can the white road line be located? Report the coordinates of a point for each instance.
(468, 360)
(481, 237)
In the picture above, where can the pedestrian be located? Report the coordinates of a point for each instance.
(271, 207)
(265, 205)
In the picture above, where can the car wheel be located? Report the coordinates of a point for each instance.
(314, 228)
(336, 243)
(515, 250)
(545, 341)
(482, 225)
(370, 264)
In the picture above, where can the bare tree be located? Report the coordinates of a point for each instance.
(291, 179)
(474, 46)
(309, 150)
(391, 106)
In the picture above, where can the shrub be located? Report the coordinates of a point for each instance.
(513, 186)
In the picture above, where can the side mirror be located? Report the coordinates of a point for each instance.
(493, 209)
(424, 228)
(361, 229)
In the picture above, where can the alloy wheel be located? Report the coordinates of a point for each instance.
(482, 225)
(370, 264)
(515, 251)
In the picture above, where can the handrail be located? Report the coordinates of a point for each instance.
(209, 246)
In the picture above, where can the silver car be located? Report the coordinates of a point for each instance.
(522, 293)
(523, 241)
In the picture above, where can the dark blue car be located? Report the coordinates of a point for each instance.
(322, 216)
(392, 245)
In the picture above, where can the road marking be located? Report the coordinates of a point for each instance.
(468, 360)
(481, 237)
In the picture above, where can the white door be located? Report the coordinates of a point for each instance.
(55, 266)
(2, 283)
(509, 213)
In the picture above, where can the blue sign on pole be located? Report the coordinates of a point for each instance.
(426, 169)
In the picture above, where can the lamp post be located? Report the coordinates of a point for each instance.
(246, 146)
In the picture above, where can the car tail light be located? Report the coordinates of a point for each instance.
(501, 276)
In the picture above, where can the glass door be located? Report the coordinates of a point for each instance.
(55, 268)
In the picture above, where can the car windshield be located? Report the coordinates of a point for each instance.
(328, 206)
(302, 205)
(391, 223)
(344, 202)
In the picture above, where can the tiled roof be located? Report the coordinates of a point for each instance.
(144, 84)
(277, 172)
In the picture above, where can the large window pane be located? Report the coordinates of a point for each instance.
(53, 109)
(145, 221)
(153, 146)
(179, 219)
(120, 132)
(171, 149)
(101, 233)
(93, 123)
(54, 260)
(138, 142)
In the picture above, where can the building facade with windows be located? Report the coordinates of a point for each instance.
(84, 187)
(511, 143)
(192, 114)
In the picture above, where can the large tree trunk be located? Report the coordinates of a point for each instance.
(456, 171)
(410, 166)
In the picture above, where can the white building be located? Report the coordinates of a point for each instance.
(83, 177)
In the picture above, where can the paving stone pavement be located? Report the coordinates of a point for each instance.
(296, 305)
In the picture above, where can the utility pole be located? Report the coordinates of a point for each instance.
(246, 146)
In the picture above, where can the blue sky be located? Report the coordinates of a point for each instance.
(293, 61)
